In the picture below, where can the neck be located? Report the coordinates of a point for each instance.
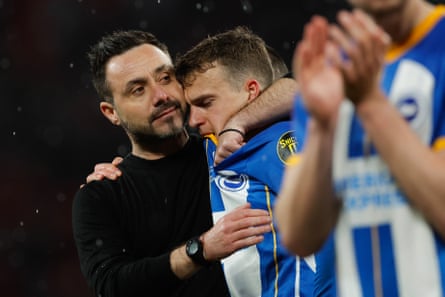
(161, 148)
(401, 21)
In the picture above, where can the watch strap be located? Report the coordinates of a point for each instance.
(197, 252)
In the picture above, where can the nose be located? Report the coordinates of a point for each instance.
(195, 118)
(159, 95)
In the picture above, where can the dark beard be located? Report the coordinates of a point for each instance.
(145, 139)
(146, 135)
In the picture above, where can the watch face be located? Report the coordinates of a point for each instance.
(193, 247)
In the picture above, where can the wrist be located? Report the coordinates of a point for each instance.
(223, 131)
(194, 248)
(371, 104)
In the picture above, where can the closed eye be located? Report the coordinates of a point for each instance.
(138, 91)
(203, 102)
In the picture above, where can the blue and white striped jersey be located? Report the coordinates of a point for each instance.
(253, 174)
(383, 246)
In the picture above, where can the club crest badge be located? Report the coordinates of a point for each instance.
(231, 183)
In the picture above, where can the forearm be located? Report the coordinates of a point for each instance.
(181, 264)
(417, 169)
(274, 103)
(306, 209)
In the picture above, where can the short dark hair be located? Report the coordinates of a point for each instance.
(279, 66)
(239, 50)
(112, 45)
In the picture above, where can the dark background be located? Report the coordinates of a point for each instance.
(52, 130)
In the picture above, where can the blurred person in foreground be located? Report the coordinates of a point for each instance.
(371, 173)
(143, 234)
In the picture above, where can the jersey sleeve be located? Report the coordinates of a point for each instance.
(299, 122)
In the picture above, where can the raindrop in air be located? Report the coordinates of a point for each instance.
(139, 4)
(19, 108)
(71, 65)
(247, 6)
(5, 63)
(143, 24)
(21, 223)
(99, 242)
(37, 210)
(13, 133)
(61, 197)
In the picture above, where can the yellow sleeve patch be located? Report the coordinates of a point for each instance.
(293, 160)
(439, 144)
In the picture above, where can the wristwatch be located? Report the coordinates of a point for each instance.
(195, 251)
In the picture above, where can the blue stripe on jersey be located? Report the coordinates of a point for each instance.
(325, 283)
(363, 258)
(440, 247)
(388, 262)
(269, 279)
(364, 242)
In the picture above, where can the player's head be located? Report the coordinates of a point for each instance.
(134, 75)
(221, 74)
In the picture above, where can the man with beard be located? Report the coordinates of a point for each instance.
(142, 234)
(372, 169)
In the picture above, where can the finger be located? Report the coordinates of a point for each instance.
(116, 161)
(247, 241)
(93, 177)
(380, 39)
(342, 41)
(333, 55)
(106, 173)
(245, 211)
(372, 27)
(109, 170)
(360, 30)
(366, 30)
(319, 33)
(252, 222)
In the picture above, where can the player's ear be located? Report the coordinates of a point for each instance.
(109, 112)
(253, 88)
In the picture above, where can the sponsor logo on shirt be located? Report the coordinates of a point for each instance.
(286, 146)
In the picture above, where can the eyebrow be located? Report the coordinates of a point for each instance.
(143, 81)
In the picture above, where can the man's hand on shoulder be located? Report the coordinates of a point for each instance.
(105, 170)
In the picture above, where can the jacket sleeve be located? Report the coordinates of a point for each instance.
(109, 265)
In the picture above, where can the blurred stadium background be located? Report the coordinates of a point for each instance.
(52, 129)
